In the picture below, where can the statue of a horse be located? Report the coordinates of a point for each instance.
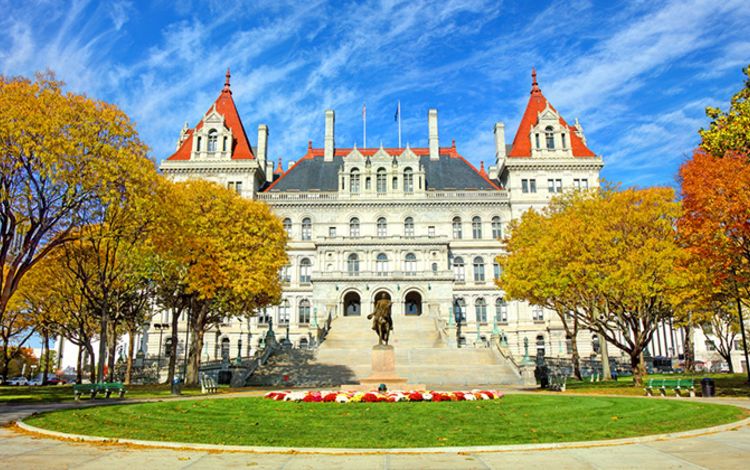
(382, 323)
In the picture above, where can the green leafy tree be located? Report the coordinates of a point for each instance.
(729, 131)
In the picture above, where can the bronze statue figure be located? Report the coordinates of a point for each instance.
(382, 322)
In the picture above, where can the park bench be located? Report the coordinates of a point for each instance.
(92, 390)
(677, 385)
(208, 384)
(558, 382)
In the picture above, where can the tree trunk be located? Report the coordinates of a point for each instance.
(575, 357)
(93, 373)
(129, 364)
(173, 349)
(194, 361)
(45, 348)
(689, 353)
(6, 359)
(727, 356)
(606, 373)
(111, 351)
(102, 343)
(636, 363)
(79, 365)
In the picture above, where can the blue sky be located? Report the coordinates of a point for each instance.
(637, 74)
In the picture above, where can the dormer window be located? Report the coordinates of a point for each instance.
(550, 137)
(224, 145)
(562, 139)
(213, 139)
(537, 140)
(198, 144)
(354, 181)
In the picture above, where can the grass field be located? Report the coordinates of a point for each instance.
(515, 419)
(727, 385)
(61, 393)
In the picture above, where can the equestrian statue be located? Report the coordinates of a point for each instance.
(382, 322)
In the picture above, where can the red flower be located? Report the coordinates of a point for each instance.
(415, 396)
(460, 396)
(329, 398)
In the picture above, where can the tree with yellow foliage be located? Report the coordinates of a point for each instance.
(620, 270)
(221, 255)
(63, 156)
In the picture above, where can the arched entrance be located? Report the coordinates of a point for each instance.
(352, 305)
(413, 303)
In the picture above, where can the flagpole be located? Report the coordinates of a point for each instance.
(399, 123)
(364, 126)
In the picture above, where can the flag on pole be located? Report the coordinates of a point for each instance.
(398, 119)
(398, 111)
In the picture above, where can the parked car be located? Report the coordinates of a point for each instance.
(52, 379)
(20, 380)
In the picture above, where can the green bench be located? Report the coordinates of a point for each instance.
(92, 390)
(678, 385)
(558, 382)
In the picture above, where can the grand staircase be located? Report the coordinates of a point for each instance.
(422, 356)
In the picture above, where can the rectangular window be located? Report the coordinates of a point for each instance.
(395, 183)
(238, 187)
(331, 231)
(524, 186)
(431, 231)
(532, 185)
(584, 183)
(230, 185)
(367, 183)
(551, 186)
(537, 141)
(558, 186)
(537, 313)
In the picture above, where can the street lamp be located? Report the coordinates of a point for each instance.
(160, 327)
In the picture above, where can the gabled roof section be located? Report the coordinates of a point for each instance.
(450, 172)
(538, 103)
(225, 106)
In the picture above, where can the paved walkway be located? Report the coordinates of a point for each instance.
(724, 450)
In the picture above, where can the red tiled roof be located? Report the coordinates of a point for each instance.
(538, 103)
(225, 106)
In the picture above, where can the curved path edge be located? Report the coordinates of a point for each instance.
(398, 451)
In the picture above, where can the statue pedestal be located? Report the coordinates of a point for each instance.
(383, 372)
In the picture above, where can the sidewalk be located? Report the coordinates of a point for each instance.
(730, 450)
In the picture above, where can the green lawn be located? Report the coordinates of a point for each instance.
(515, 419)
(727, 385)
(59, 393)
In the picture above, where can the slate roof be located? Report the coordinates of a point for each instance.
(450, 171)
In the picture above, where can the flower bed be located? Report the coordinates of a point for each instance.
(314, 396)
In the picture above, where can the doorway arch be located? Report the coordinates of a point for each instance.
(352, 304)
(413, 303)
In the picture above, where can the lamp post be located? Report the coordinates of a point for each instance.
(160, 327)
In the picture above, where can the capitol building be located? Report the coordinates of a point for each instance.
(418, 226)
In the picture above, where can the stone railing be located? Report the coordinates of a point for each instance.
(444, 275)
(501, 195)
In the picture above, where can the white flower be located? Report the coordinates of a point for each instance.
(427, 396)
(470, 397)
(341, 398)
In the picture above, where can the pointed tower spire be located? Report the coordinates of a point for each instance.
(226, 83)
(482, 171)
(279, 168)
(534, 85)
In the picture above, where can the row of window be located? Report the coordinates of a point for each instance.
(408, 230)
(554, 185)
(459, 269)
(235, 186)
(303, 313)
(381, 181)
(549, 138)
(480, 310)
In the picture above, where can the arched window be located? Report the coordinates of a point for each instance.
(382, 227)
(352, 264)
(198, 144)
(284, 313)
(457, 232)
(288, 226)
(381, 264)
(408, 227)
(304, 312)
(540, 346)
(394, 185)
(459, 311)
(497, 228)
(381, 181)
(480, 307)
(354, 181)
(306, 229)
(434, 268)
(213, 140)
(549, 135)
(478, 269)
(224, 145)
(476, 228)
(305, 271)
(459, 271)
(410, 264)
(408, 180)
(354, 227)
(496, 270)
(501, 310)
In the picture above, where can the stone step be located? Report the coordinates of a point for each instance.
(427, 356)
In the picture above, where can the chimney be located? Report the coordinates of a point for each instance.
(262, 145)
(329, 143)
(499, 141)
(433, 134)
